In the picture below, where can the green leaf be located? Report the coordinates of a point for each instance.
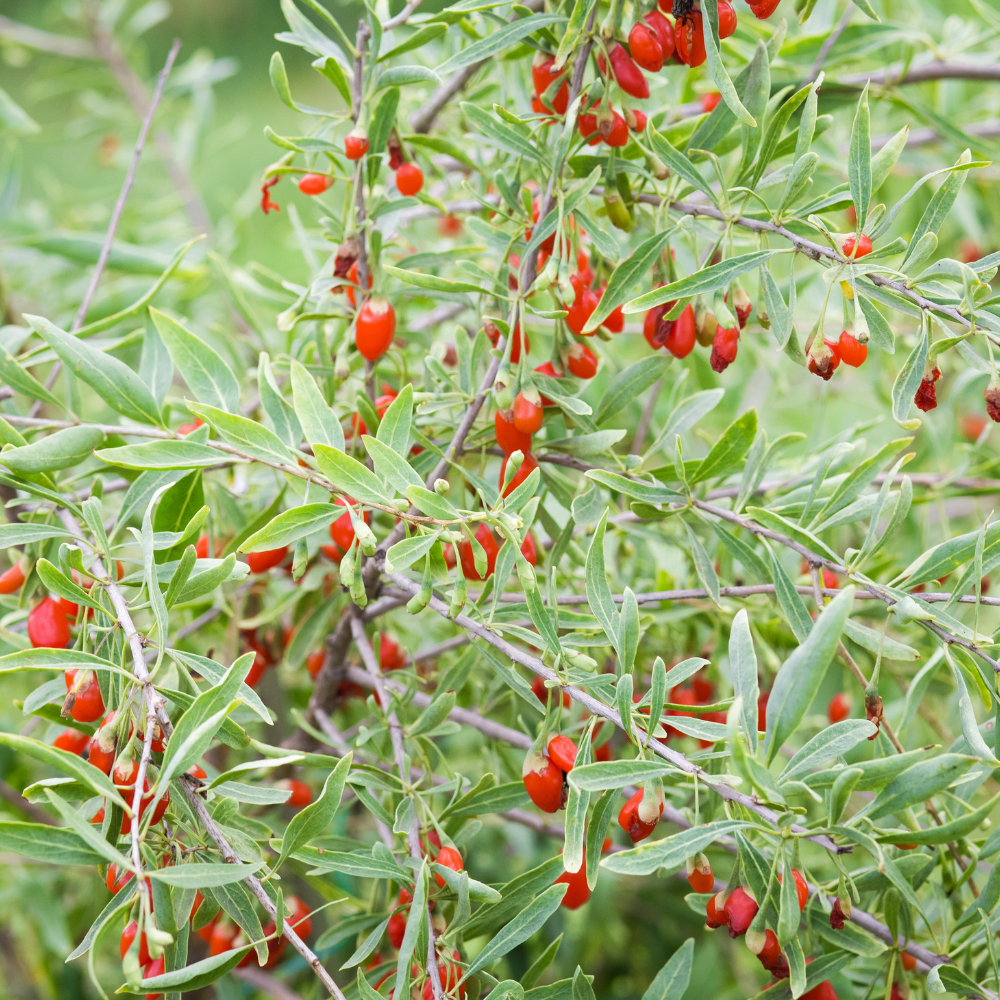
(206, 373)
(834, 741)
(319, 423)
(710, 31)
(279, 411)
(707, 280)
(394, 427)
(629, 384)
(110, 378)
(939, 206)
(918, 783)
(390, 465)
(194, 976)
(53, 845)
(627, 275)
(406, 552)
(743, 672)
(60, 450)
(529, 920)
(56, 659)
(729, 449)
(63, 761)
(313, 820)
(801, 674)
(908, 380)
(199, 723)
(816, 972)
(859, 161)
(162, 455)
(491, 45)
(680, 165)
(248, 436)
(432, 281)
(671, 982)
(28, 532)
(197, 876)
(598, 591)
(382, 121)
(357, 481)
(431, 504)
(13, 375)
(671, 852)
(290, 525)
(703, 565)
(62, 585)
(404, 76)
(491, 799)
(617, 774)
(951, 979)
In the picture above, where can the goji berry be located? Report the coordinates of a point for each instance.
(543, 781)
(313, 184)
(375, 328)
(47, 625)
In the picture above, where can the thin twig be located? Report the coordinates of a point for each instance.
(116, 214)
(190, 784)
(647, 415)
(829, 42)
(936, 70)
(399, 752)
(135, 91)
(423, 118)
(596, 707)
(402, 17)
(18, 801)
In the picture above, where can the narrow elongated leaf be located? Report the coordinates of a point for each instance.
(496, 42)
(61, 450)
(671, 982)
(207, 375)
(112, 380)
(348, 474)
(291, 525)
(196, 876)
(918, 783)
(519, 929)
(319, 423)
(162, 455)
(626, 386)
(729, 449)
(63, 761)
(743, 671)
(859, 161)
(598, 590)
(802, 673)
(248, 436)
(670, 852)
(628, 273)
(316, 817)
(908, 380)
(833, 741)
(707, 280)
(52, 844)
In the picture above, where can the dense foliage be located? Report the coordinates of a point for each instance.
(612, 363)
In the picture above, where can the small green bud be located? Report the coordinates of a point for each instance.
(459, 596)
(420, 600)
